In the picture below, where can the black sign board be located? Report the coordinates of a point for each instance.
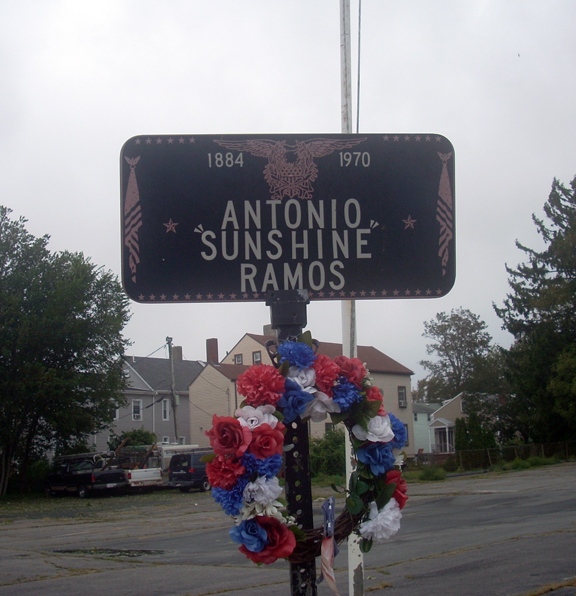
(220, 218)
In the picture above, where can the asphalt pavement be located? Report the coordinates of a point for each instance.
(510, 534)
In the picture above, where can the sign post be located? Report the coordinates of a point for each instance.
(288, 219)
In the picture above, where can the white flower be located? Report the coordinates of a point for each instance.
(254, 417)
(379, 430)
(382, 525)
(262, 491)
(319, 407)
(305, 377)
(250, 510)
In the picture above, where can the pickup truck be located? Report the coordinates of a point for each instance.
(144, 477)
(85, 474)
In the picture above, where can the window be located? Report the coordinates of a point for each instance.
(117, 414)
(136, 409)
(165, 440)
(328, 426)
(182, 440)
(429, 417)
(406, 429)
(415, 416)
(256, 357)
(165, 409)
(237, 358)
(402, 401)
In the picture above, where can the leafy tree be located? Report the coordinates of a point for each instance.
(61, 319)
(136, 437)
(540, 312)
(462, 346)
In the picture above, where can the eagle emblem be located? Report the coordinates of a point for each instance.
(291, 170)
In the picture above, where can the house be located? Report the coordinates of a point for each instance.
(149, 399)
(390, 376)
(422, 416)
(213, 391)
(441, 427)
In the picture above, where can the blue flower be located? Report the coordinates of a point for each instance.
(345, 394)
(250, 534)
(293, 402)
(297, 354)
(232, 500)
(400, 434)
(378, 456)
(268, 467)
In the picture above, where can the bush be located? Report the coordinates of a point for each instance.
(450, 465)
(432, 473)
(327, 454)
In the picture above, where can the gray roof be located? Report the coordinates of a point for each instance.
(156, 372)
(422, 408)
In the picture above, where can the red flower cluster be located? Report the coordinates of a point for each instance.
(261, 385)
(327, 372)
(281, 541)
(352, 369)
(401, 487)
(374, 394)
(267, 441)
(228, 437)
(223, 472)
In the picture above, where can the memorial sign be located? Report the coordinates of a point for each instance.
(220, 218)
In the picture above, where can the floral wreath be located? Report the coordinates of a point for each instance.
(248, 449)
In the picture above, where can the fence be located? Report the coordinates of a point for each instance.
(482, 459)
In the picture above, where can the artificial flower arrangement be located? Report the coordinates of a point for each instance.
(248, 450)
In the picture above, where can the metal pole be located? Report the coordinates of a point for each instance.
(173, 386)
(288, 316)
(355, 557)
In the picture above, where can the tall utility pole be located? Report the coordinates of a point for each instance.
(175, 399)
(349, 348)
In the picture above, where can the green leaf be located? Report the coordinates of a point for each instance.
(365, 545)
(298, 533)
(362, 487)
(208, 457)
(306, 338)
(385, 495)
(354, 504)
(338, 417)
(336, 488)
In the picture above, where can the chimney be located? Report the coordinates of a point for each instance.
(268, 331)
(177, 352)
(212, 350)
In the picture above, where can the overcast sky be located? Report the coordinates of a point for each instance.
(496, 77)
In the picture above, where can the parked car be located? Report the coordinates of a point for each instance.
(85, 474)
(187, 470)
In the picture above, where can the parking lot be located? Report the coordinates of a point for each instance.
(507, 534)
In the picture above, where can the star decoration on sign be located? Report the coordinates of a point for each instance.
(170, 226)
(409, 222)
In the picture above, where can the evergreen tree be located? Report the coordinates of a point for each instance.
(540, 312)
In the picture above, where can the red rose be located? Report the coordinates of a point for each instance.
(352, 369)
(267, 441)
(261, 385)
(401, 487)
(228, 437)
(224, 473)
(281, 541)
(327, 372)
